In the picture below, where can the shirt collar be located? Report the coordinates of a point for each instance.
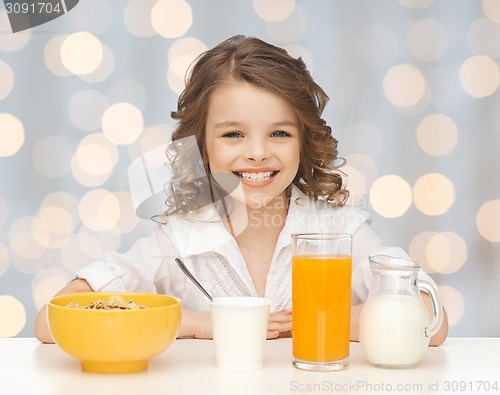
(205, 232)
(200, 233)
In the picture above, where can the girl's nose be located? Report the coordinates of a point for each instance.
(257, 151)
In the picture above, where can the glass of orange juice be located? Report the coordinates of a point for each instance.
(321, 300)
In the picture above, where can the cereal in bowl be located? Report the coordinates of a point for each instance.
(115, 303)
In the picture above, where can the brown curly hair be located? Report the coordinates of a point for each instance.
(269, 67)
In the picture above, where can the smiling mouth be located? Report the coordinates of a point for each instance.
(256, 177)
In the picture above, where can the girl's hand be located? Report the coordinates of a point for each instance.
(203, 329)
(279, 322)
(195, 324)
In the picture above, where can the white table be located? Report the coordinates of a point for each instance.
(459, 366)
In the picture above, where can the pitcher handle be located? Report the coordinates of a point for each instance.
(437, 307)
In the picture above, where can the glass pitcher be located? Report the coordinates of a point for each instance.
(394, 327)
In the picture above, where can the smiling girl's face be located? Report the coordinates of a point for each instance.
(253, 134)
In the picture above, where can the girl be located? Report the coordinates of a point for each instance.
(254, 114)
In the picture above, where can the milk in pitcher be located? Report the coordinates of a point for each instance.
(392, 330)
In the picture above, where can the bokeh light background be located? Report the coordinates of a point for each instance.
(414, 88)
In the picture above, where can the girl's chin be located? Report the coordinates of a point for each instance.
(256, 200)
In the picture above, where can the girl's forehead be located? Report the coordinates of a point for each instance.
(234, 94)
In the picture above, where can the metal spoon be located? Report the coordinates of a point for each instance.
(189, 275)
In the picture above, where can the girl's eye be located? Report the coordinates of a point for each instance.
(232, 134)
(280, 133)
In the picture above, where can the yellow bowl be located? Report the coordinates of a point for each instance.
(114, 341)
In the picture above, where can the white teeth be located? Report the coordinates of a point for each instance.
(261, 176)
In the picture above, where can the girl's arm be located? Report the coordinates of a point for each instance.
(42, 332)
(442, 333)
(355, 313)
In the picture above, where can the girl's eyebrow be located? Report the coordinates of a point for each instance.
(275, 124)
(286, 123)
(226, 124)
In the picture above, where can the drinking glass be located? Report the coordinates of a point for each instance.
(321, 300)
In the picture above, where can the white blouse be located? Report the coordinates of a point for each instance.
(211, 253)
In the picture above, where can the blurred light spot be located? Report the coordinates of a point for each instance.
(171, 18)
(188, 46)
(94, 160)
(94, 244)
(356, 183)
(152, 137)
(122, 123)
(427, 40)
(420, 106)
(362, 137)
(483, 37)
(6, 80)
(93, 16)
(437, 135)
(64, 200)
(103, 164)
(137, 17)
(345, 84)
(56, 219)
(418, 250)
(27, 254)
(290, 29)
(491, 9)
(404, 85)
(46, 238)
(11, 134)
(177, 71)
(46, 284)
(433, 194)
(13, 309)
(454, 302)
(446, 252)
(377, 46)
(488, 221)
(22, 239)
(127, 90)
(366, 165)
(11, 42)
(88, 244)
(390, 196)
(128, 219)
(105, 68)
(479, 76)
(52, 156)
(52, 56)
(81, 53)
(86, 109)
(73, 255)
(4, 259)
(416, 3)
(181, 55)
(99, 210)
(273, 10)
(298, 51)
(55, 223)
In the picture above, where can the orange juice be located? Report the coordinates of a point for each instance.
(321, 307)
